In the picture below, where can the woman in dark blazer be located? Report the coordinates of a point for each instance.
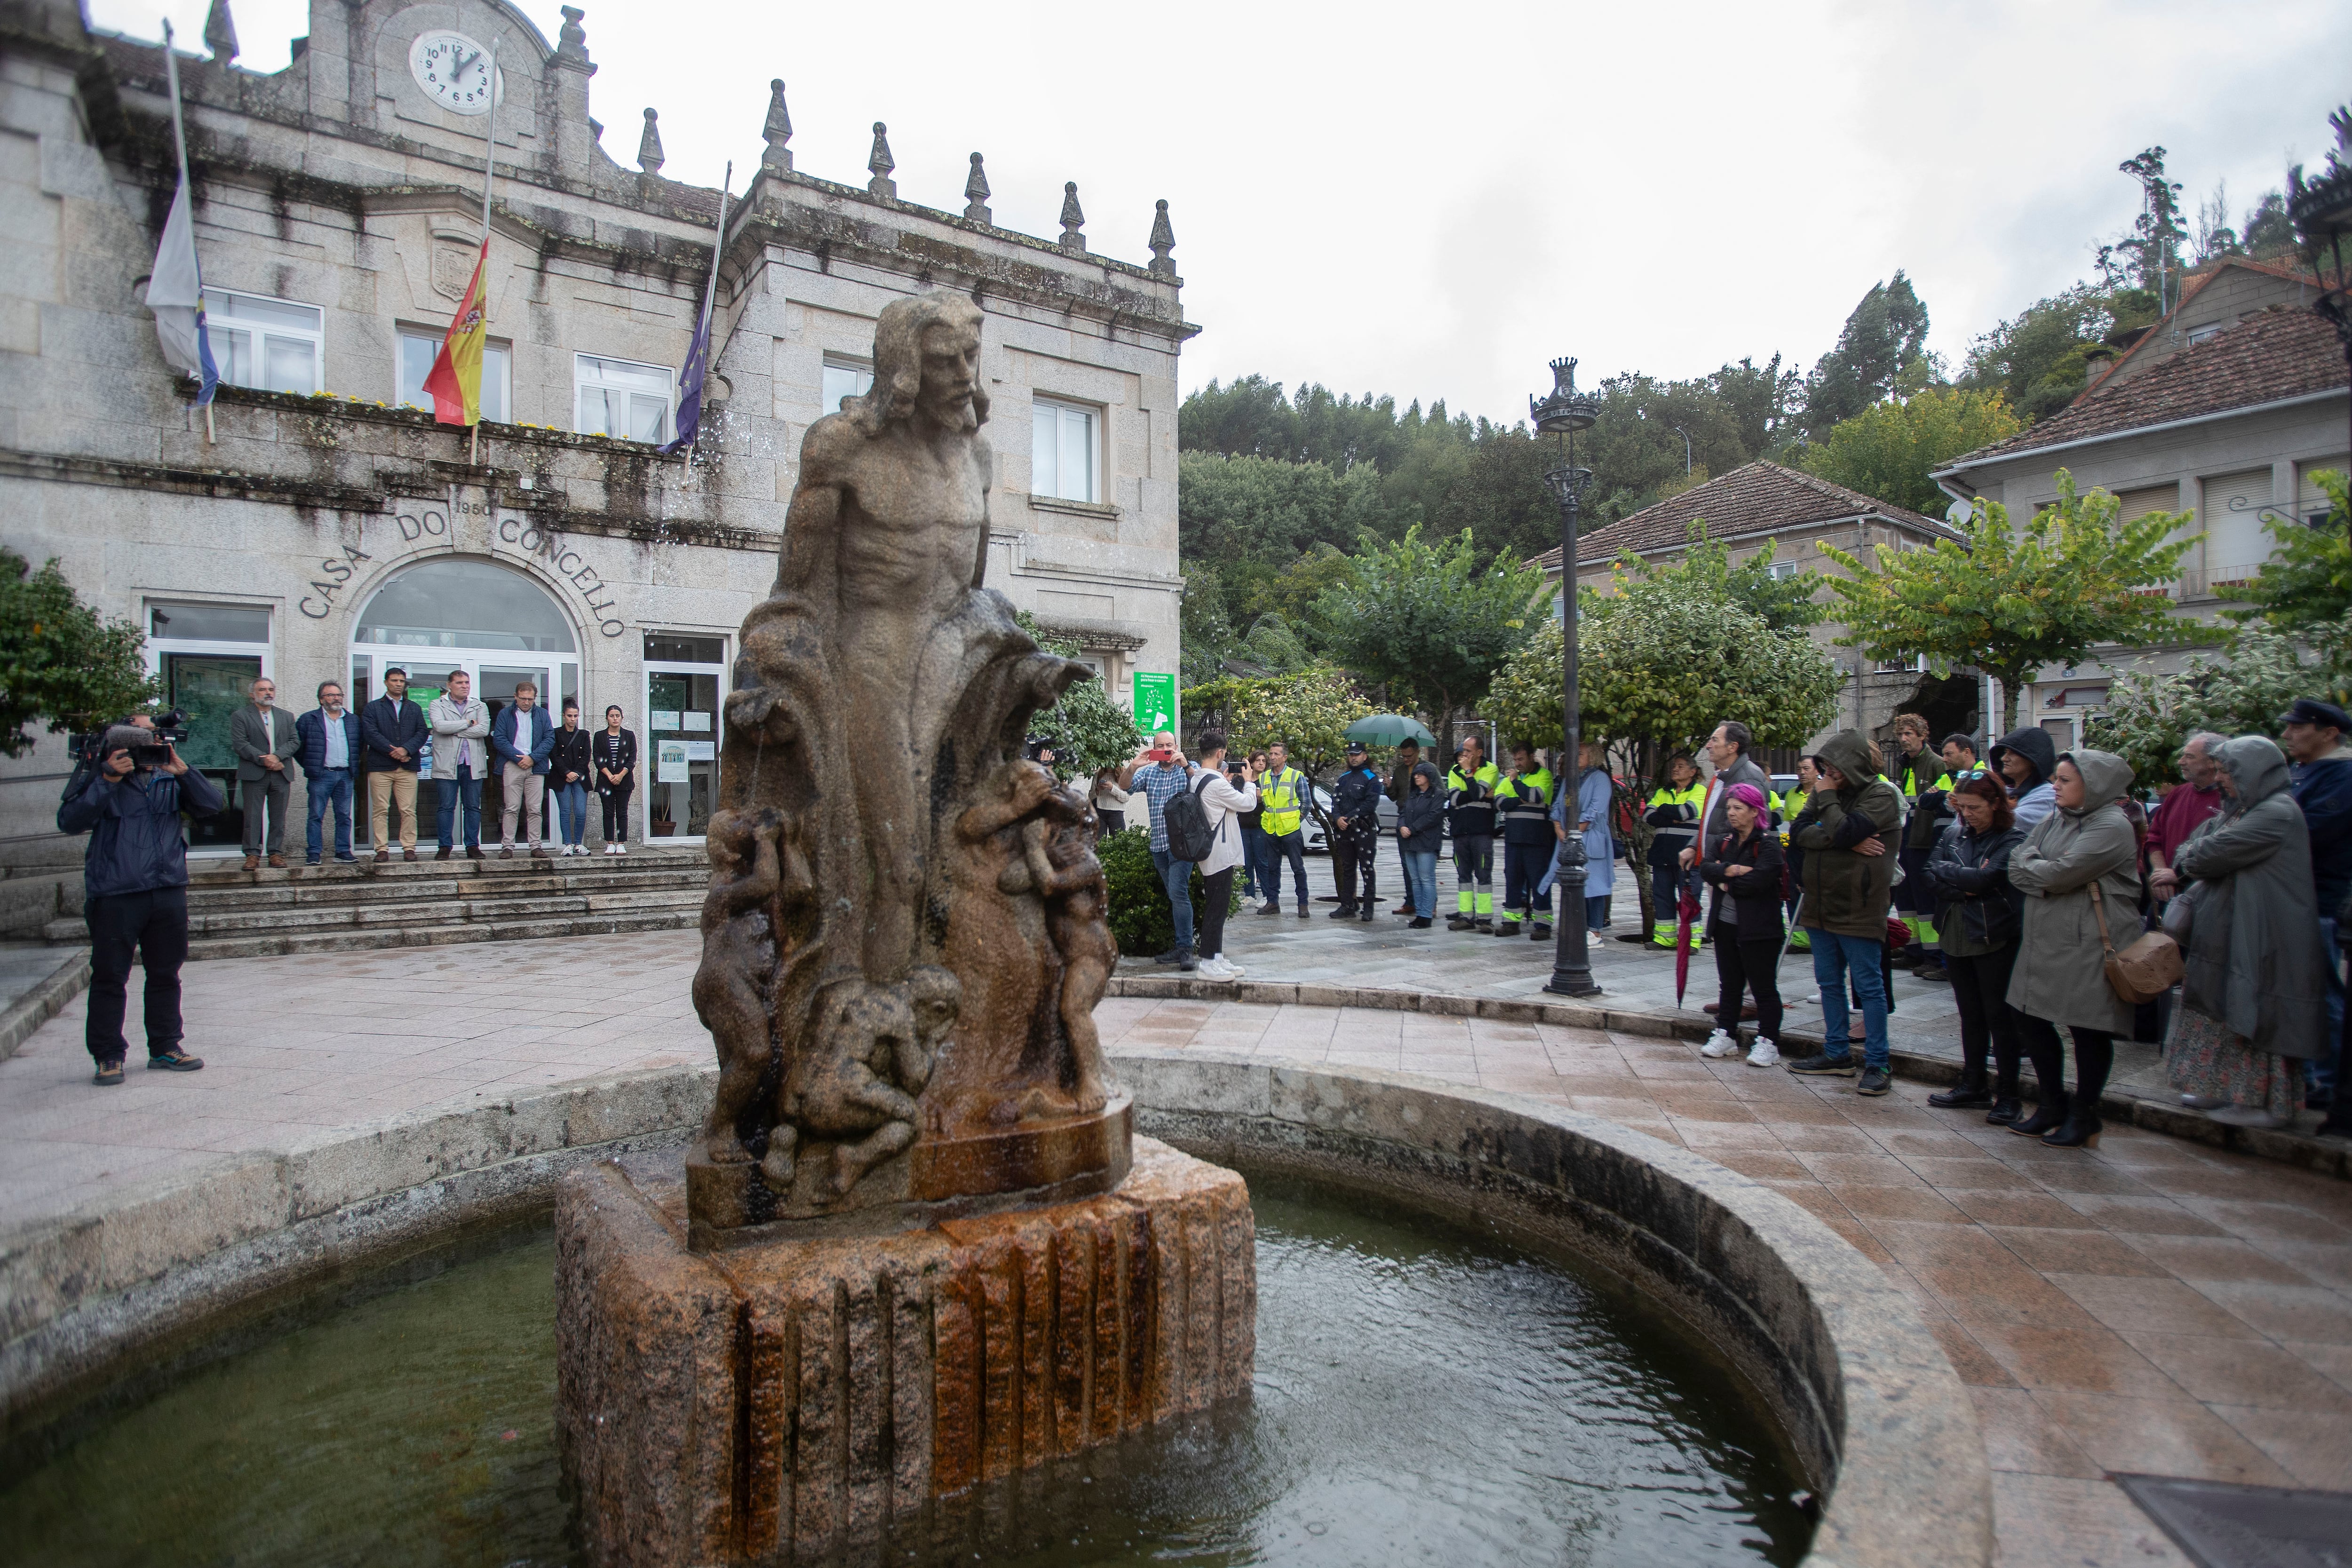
(614, 755)
(1744, 867)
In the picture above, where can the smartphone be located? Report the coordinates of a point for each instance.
(1159, 754)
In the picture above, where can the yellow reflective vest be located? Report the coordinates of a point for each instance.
(1281, 796)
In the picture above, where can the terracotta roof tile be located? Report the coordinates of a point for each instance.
(1757, 499)
(2274, 355)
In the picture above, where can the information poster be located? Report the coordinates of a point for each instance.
(697, 721)
(701, 750)
(669, 762)
(1155, 703)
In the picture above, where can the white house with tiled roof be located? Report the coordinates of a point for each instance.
(2226, 410)
(1765, 503)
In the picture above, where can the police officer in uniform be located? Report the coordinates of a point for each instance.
(1470, 816)
(1282, 794)
(1355, 816)
(1673, 813)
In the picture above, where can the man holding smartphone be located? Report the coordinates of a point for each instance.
(135, 879)
(1157, 770)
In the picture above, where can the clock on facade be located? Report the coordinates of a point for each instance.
(454, 71)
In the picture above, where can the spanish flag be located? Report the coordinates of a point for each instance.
(456, 381)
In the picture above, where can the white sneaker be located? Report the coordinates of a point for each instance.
(620, 849)
(1763, 1054)
(1719, 1044)
(1212, 969)
(1233, 970)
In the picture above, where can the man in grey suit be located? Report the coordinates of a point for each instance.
(262, 736)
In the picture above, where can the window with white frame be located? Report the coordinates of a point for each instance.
(845, 378)
(419, 349)
(1908, 663)
(1781, 571)
(273, 345)
(1063, 452)
(618, 398)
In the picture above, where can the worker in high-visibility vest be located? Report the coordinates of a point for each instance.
(1523, 804)
(1470, 817)
(1672, 812)
(1282, 800)
(1919, 775)
(1792, 803)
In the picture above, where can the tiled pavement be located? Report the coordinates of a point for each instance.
(2151, 1306)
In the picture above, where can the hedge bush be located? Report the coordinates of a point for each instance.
(1139, 917)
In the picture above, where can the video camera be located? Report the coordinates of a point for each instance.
(171, 728)
(1038, 746)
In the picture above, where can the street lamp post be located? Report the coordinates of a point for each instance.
(1564, 412)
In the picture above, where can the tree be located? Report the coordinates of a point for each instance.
(2150, 256)
(2010, 600)
(2040, 360)
(2149, 717)
(1889, 449)
(1886, 334)
(2307, 581)
(59, 661)
(1307, 711)
(1088, 728)
(1783, 603)
(1424, 619)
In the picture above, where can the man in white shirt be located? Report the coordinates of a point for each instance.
(461, 733)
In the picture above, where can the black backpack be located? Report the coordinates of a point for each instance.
(1190, 837)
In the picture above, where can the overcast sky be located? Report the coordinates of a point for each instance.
(1432, 201)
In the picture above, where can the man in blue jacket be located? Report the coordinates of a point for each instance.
(327, 740)
(2314, 733)
(135, 882)
(522, 739)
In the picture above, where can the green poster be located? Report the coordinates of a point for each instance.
(1155, 703)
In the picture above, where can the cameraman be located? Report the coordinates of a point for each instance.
(135, 879)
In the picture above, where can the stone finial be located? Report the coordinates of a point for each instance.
(881, 163)
(778, 132)
(1073, 218)
(975, 194)
(649, 147)
(1164, 240)
(220, 33)
(572, 39)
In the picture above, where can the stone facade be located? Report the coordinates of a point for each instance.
(338, 186)
(2225, 411)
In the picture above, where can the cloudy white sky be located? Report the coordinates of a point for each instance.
(1432, 201)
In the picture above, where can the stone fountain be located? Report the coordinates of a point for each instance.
(916, 1246)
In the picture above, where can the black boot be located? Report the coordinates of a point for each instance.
(2050, 1114)
(1344, 912)
(1542, 932)
(1962, 1095)
(1367, 914)
(2081, 1130)
(2005, 1111)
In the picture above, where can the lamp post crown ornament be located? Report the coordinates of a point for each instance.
(1565, 410)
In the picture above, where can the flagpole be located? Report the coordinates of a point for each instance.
(489, 169)
(180, 140)
(711, 288)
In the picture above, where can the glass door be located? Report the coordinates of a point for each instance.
(209, 687)
(686, 682)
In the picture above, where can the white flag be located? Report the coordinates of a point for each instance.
(175, 292)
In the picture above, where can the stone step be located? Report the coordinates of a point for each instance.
(289, 939)
(349, 889)
(447, 912)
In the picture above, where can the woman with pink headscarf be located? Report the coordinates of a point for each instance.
(1744, 867)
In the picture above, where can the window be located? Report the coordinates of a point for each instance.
(1904, 666)
(275, 345)
(1781, 571)
(621, 399)
(207, 623)
(418, 350)
(681, 647)
(1063, 452)
(845, 378)
(208, 657)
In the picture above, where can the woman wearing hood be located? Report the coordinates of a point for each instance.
(1977, 917)
(1420, 817)
(2025, 759)
(2085, 845)
(2255, 996)
(1591, 800)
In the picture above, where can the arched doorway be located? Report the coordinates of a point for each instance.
(457, 613)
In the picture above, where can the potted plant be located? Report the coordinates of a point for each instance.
(663, 826)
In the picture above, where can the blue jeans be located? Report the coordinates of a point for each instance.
(1254, 861)
(1176, 881)
(571, 810)
(2319, 1071)
(1291, 844)
(327, 787)
(1832, 956)
(464, 788)
(1421, 880)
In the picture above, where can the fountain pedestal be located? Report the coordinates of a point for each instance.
(780, 1399)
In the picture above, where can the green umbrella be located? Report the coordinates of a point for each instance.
(1389, 730)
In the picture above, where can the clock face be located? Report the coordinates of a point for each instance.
(454, 71)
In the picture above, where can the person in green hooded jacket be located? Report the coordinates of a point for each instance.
(1848, 831)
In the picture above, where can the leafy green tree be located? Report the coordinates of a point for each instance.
(1886, 332)
(2151, 255)
(1889, 449)
(1090, 730)
(2241, 692)
(1426, 618)
(1783, 603)
(2040, 360)
(1308, 710)
(2010, 600)
(2307, 581)
(1232, 508)
(60, 661)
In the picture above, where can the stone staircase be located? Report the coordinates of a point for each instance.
(236, 913)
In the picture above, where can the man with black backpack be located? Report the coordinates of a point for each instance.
(1159, 774)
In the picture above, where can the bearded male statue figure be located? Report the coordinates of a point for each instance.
(880, 691)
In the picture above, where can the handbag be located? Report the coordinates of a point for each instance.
(2144, 971)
